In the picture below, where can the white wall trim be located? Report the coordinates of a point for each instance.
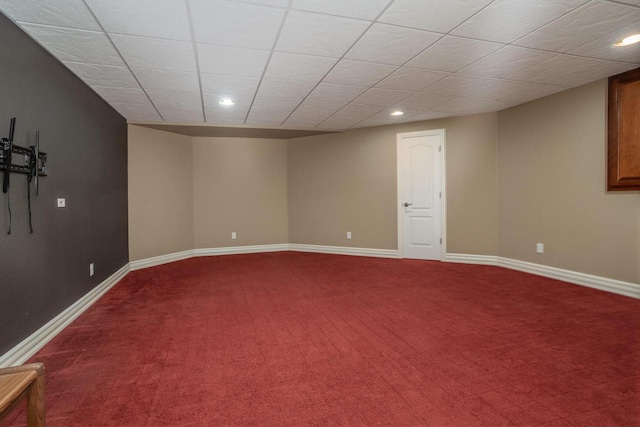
(232, 250)
(603, 283)
(472, 259)
(343, 250)
(34, 342)
(159, 260)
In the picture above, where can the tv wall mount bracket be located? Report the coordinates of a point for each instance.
(35, 165)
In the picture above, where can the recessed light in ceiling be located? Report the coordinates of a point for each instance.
(397, 113)
(226, 101)
(628, 40)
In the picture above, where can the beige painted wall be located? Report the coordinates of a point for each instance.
(160, 193)
(551, 188)
(240, 184)
(347, 182)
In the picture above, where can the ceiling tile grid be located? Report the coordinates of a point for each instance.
(331, 64)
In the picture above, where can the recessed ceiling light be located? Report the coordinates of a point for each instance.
(397, 113)
(227, 102)
(628, 40)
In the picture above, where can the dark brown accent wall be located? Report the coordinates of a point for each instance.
(43, 273)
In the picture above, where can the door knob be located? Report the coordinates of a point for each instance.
(407, 204)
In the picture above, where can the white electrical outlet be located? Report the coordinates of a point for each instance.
(348, 235)
(234, 236)
(91, 270)
(62, 203)
(540, 248)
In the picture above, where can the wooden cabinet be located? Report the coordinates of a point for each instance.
(623, 165)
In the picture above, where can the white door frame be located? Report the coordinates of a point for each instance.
(443, 188)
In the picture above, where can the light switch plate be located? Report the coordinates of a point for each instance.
(62, 203)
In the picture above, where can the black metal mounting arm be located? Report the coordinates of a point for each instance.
(35, 160)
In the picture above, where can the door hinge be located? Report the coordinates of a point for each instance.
(439, 148)
(441, 240)
(441, 194)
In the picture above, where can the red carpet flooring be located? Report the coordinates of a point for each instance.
(309, 339)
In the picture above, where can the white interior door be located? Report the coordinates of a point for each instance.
(420, 194)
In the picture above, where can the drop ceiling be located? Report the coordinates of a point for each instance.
(329, 64)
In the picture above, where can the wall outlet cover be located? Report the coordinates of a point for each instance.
(540, 248)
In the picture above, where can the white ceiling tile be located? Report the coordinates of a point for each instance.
(274, 88)
(167, 80)
(570, 71)
(358, 73)
(274, 105)
(507, 20)
(381, 97)
(145, 52)
(219, 113)
(376, 121)
(603, 47)
(175, 99)
(471, 106)
(456, 85)
(154, 18)
(304, 121)
(75, 45)
(233, 61)
(585, 24)
(337, 123)
(327, 108)
(181, 115)
(103, 75)
(389, 44)
(293, 66)
(328, 92)
(363, 9)
(229, 85)
(235, 24)
(508, 60)
(266, 119)
(425, 115)
(139, 113)
(422, 101)
(61, 13)
(119, 95)
(432, 15)
(277, 3)
(411, 79)
(357, 111)
(453, 53)
(507, 90)
(316, 34)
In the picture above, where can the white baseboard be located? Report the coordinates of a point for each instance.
(471, 259)
(159, 260)
(233, 250)
(342, 250)
(34, 342)
(603, 283)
